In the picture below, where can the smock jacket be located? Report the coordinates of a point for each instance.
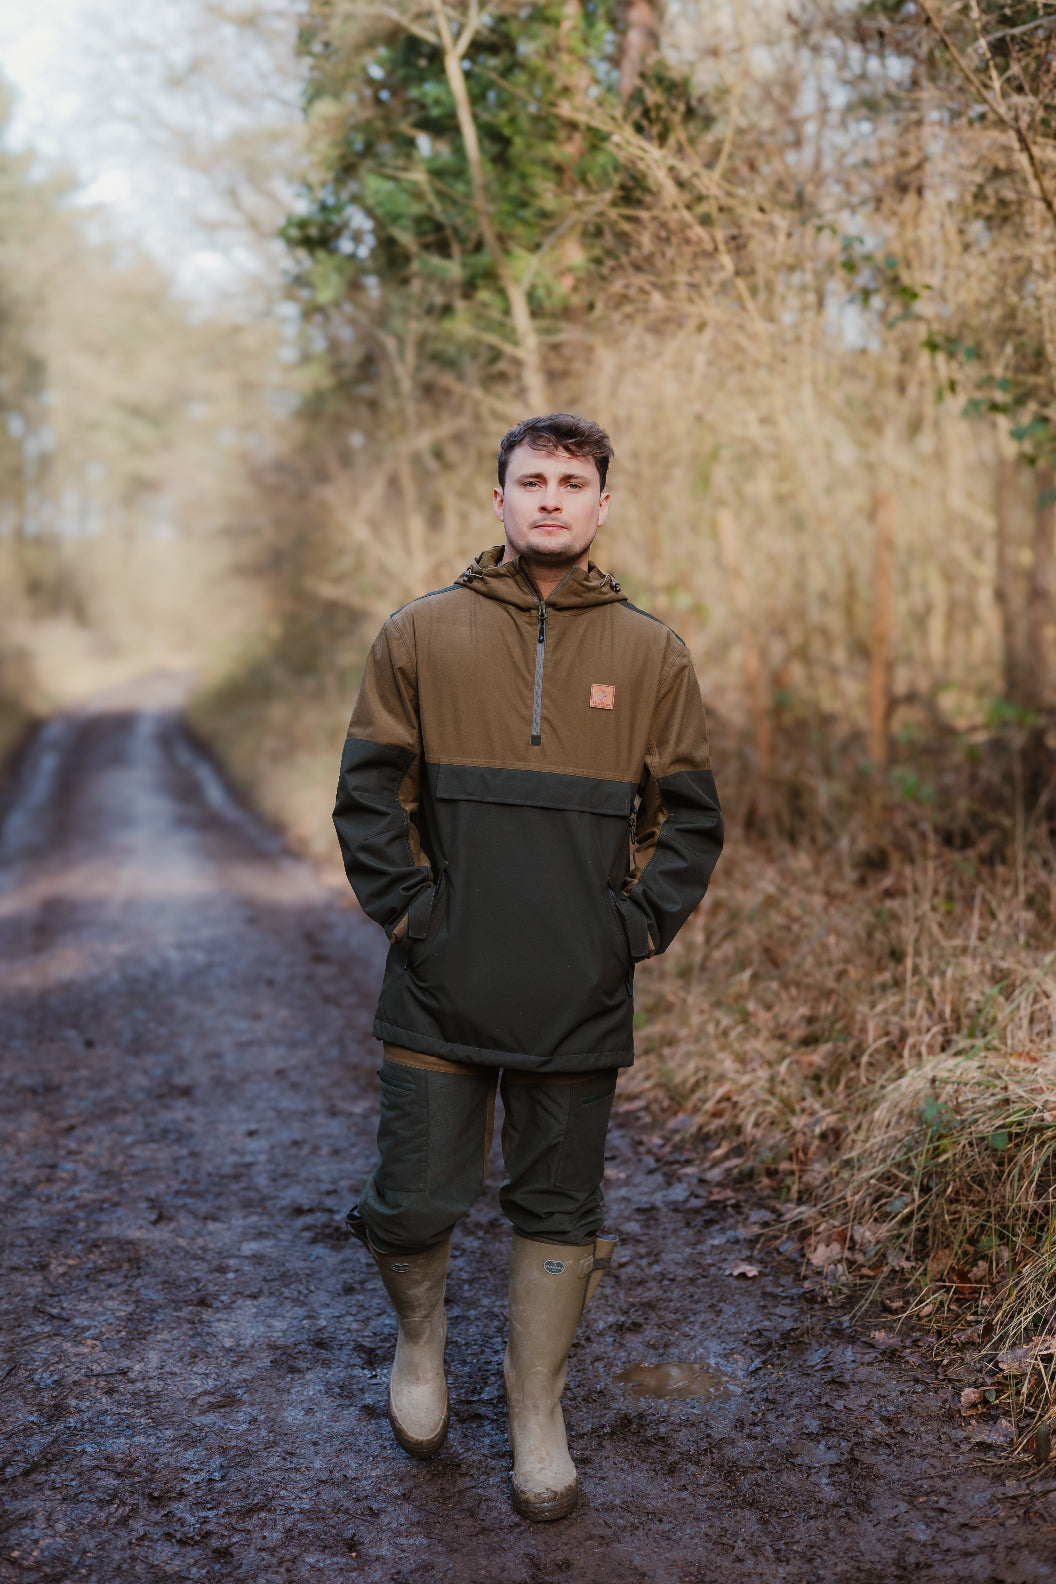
(526, 807)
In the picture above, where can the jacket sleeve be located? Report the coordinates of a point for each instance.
(678, 823)
(379, 788)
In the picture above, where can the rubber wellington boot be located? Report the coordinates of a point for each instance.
(549, 1286)
(418, 1405)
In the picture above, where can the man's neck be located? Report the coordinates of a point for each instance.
(544, 574)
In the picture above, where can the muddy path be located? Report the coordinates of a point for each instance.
(192, 1381)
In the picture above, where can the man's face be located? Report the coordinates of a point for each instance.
(552, 506)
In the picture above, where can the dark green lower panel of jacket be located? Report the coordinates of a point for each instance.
(525, 962)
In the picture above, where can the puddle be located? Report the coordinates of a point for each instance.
(678, 1380)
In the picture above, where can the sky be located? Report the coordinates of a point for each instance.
(101, 88)
(41, 57)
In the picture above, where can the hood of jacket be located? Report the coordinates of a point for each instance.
(511, 583)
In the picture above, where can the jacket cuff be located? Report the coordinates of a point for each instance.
(638, 937)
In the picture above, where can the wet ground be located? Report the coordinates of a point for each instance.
(192, 1382)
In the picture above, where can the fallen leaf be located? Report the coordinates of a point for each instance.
(979, 1271)
(868, 1234)
(1016, 1361)
(715, 1174)
(741, 1269)
(973, 1400)
(822, 1254)
(885, 1339)
(999, 1434)
(939, 1261)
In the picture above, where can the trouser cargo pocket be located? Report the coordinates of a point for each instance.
(432, 1143)
(403, 1130)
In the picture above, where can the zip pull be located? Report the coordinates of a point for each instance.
(542, 624)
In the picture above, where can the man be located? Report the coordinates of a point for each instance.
(526, 807)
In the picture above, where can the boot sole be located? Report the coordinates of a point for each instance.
(411, 1444)
(546, 1510)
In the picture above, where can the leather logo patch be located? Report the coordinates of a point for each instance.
(602, 695)
(399, 1270)
(553, 1267)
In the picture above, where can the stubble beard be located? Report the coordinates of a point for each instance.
(558, 558)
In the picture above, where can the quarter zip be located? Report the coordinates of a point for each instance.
(537, 690)
(540, 660)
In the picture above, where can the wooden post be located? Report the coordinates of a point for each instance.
(881, 636)
(1039, 595)
(755, 678)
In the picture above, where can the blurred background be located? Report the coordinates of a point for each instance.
(274, 279)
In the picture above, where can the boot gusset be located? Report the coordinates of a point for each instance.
(604, 1252)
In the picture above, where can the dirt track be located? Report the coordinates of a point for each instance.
(192, 1382)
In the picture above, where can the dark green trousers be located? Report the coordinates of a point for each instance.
(434, 1136)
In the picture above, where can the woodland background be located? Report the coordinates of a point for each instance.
(800, 260)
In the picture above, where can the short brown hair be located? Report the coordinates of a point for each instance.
(558, 432)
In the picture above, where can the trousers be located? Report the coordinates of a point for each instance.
(434, 1135)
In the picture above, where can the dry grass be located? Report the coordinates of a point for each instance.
(950, 1182)
(809, 978)
(880, 1047)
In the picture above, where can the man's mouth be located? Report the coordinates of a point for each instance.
(549, 525)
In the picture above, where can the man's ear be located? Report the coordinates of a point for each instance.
(496, 496)
(603, 507)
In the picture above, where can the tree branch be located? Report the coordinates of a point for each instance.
(993, 104)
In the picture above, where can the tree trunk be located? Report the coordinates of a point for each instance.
(1037, 757)
(881, 636)
(571, 52)
(640, 39)
(1006, 581)
(516, 297)
(755, 678)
